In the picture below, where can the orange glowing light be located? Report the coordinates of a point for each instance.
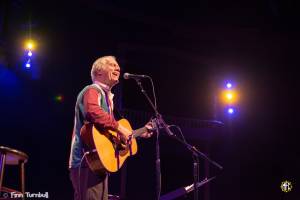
(229, 96)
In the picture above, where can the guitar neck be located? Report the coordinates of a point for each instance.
(136, 133)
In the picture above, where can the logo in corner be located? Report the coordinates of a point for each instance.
(286, 186)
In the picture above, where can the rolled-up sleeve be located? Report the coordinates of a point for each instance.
(94, 112)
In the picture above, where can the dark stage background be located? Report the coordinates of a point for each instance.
(188, 48)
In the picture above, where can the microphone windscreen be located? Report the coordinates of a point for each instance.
(126, 75)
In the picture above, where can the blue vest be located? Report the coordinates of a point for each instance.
(80, 117)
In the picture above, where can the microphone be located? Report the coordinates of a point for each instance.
(134, 76)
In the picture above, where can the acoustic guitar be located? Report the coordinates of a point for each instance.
(106, 149)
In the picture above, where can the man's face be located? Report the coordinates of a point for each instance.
(111, 72)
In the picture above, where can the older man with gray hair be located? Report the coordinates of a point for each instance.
(94, 105)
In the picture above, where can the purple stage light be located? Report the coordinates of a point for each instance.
(29, 53)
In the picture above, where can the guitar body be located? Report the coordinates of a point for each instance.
(106, 151)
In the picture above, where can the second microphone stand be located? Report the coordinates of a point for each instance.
(160, 123)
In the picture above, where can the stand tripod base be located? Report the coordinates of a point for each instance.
(184, 190)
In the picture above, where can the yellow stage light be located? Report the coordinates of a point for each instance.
(30, 45)
(229, 96)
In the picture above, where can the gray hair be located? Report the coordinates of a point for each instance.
(99, 64)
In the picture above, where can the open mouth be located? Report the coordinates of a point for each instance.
(116, 74)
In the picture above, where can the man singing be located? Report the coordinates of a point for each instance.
(95, 105)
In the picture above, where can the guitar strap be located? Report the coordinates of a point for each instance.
(129, 142)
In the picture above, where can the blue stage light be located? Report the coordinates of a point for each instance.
(27, 65)
(29, 53)
(230, 110)
(229, 85)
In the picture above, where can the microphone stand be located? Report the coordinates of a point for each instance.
(157, 162)
(196, 153)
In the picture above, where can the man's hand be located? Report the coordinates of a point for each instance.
(148, 133)
(125, 133)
